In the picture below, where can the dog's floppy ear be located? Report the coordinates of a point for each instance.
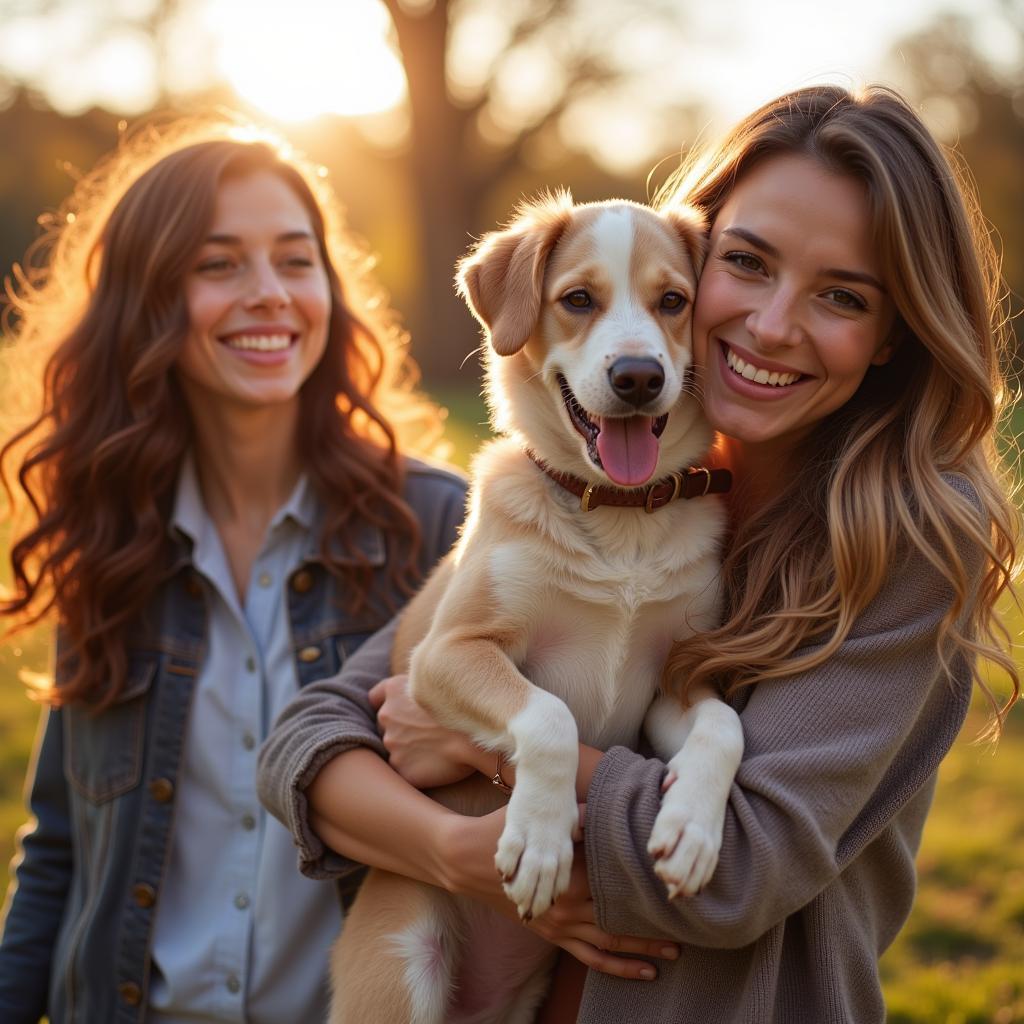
(502, 278)
(692, 227)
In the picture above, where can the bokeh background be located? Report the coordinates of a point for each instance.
(433, 118)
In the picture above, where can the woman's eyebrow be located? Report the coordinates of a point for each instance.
(853, 276)
(287, 236)
(755, 240)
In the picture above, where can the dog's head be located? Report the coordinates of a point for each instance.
(586, 309)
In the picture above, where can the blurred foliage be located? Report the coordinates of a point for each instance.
(978, 106)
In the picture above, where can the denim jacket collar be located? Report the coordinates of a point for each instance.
(189, 520)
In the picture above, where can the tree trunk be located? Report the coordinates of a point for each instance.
(443, 331)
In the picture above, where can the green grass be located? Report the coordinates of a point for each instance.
(960, 960)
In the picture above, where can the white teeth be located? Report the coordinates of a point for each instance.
(260, 342)
(759, 375)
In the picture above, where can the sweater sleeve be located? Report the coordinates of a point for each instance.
(324, 720)
(39, 891)
(831, 757)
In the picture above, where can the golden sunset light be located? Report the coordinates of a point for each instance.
(317, 59)
(302, 298)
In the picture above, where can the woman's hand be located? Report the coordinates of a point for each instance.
(424, 753)
(569, 923)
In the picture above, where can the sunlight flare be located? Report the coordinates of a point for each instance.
(310, 59)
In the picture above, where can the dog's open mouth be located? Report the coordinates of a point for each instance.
(625, 447)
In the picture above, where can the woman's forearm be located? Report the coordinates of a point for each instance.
(360, 807)
(363, 809)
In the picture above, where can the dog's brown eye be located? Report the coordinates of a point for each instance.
(579, 299)
(673, 301)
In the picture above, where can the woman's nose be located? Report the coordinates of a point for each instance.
(266, 288)
(776, 322)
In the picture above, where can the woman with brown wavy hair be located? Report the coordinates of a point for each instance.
(216, 509)
(850, 340)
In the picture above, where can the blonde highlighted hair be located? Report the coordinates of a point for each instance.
(97, 318)
(873, 481)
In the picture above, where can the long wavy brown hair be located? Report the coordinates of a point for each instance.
(870, 484)
(96, 319)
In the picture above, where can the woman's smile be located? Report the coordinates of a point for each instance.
(755, 376)
(262, 345)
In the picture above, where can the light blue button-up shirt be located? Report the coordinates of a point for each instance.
(240, 935)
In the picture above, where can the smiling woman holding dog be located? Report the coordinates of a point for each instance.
(216, 510)
(848, 338)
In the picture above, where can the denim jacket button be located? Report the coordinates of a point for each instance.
(144, 895)
(192, 586)
(161, 790)
(302, 581)
(130, 993)
(309, 654)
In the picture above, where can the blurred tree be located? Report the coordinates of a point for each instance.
(495, 90)
(974, 98)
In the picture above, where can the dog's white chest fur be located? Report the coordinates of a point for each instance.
(601, 595)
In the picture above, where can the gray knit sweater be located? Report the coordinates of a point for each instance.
(816, 873)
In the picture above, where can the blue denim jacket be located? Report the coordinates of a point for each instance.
(78, 928)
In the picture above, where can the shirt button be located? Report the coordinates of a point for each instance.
(233, 984)
(161, 790)
(250, 664)
(242, 901)
(144, 895)
(248, 741)
(302, 581)
(130, 993)
(248, 822)
(264, 579)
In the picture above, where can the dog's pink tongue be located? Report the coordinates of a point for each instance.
(628, 449)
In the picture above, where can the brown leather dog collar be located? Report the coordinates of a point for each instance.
(689, 482)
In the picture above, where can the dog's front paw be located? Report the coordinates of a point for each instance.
(534, 857)
(685, 840)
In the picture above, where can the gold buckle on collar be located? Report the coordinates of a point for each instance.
(585, 499)
(707, 477)
(677, 486)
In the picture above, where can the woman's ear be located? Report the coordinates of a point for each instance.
(502, 279)
(897, 332)
(884, 354)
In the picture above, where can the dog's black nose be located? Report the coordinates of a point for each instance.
(636, 381)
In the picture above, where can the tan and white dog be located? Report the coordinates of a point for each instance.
(550, 621)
